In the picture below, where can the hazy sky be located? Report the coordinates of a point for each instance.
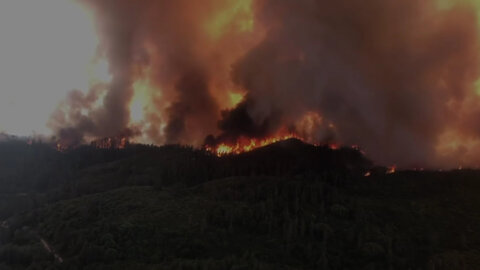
(45, 50)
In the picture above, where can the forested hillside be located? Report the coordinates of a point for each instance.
(288, 205)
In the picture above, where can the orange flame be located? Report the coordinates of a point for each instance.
(246, 145)
(392, 169)
(333, 146)
(111, 143)
(61, 148)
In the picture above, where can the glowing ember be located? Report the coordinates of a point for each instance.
(105, 143)
(246, 145)
(111, 143)
(392, 169)
(333, 146)
(367, 174)
(61, 148)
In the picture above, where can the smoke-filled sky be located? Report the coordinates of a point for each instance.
(397, 78)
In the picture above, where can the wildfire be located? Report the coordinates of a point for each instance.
(333, 146)
(111, 143)
(246, 145)
(105, 143)
(391, 169)
(61, 147)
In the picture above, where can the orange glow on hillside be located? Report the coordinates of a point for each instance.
(391, 169)
(111, 143)
(246, 145)
(333, 146)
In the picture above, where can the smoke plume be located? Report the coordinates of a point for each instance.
(395, 77)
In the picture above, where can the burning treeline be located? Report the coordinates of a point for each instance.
(395, 77)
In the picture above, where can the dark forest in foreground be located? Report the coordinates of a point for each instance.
(285, 206)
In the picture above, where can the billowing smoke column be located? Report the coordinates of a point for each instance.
(395, 77)
(390, 75)
(161, 38)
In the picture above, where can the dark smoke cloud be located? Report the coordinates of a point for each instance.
(382, 70)
(390, 76)
(238, 122)
(194, 99)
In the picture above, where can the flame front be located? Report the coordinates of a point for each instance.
(246, 145)
(391, 169)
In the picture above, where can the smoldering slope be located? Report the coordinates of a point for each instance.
(395, 77)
